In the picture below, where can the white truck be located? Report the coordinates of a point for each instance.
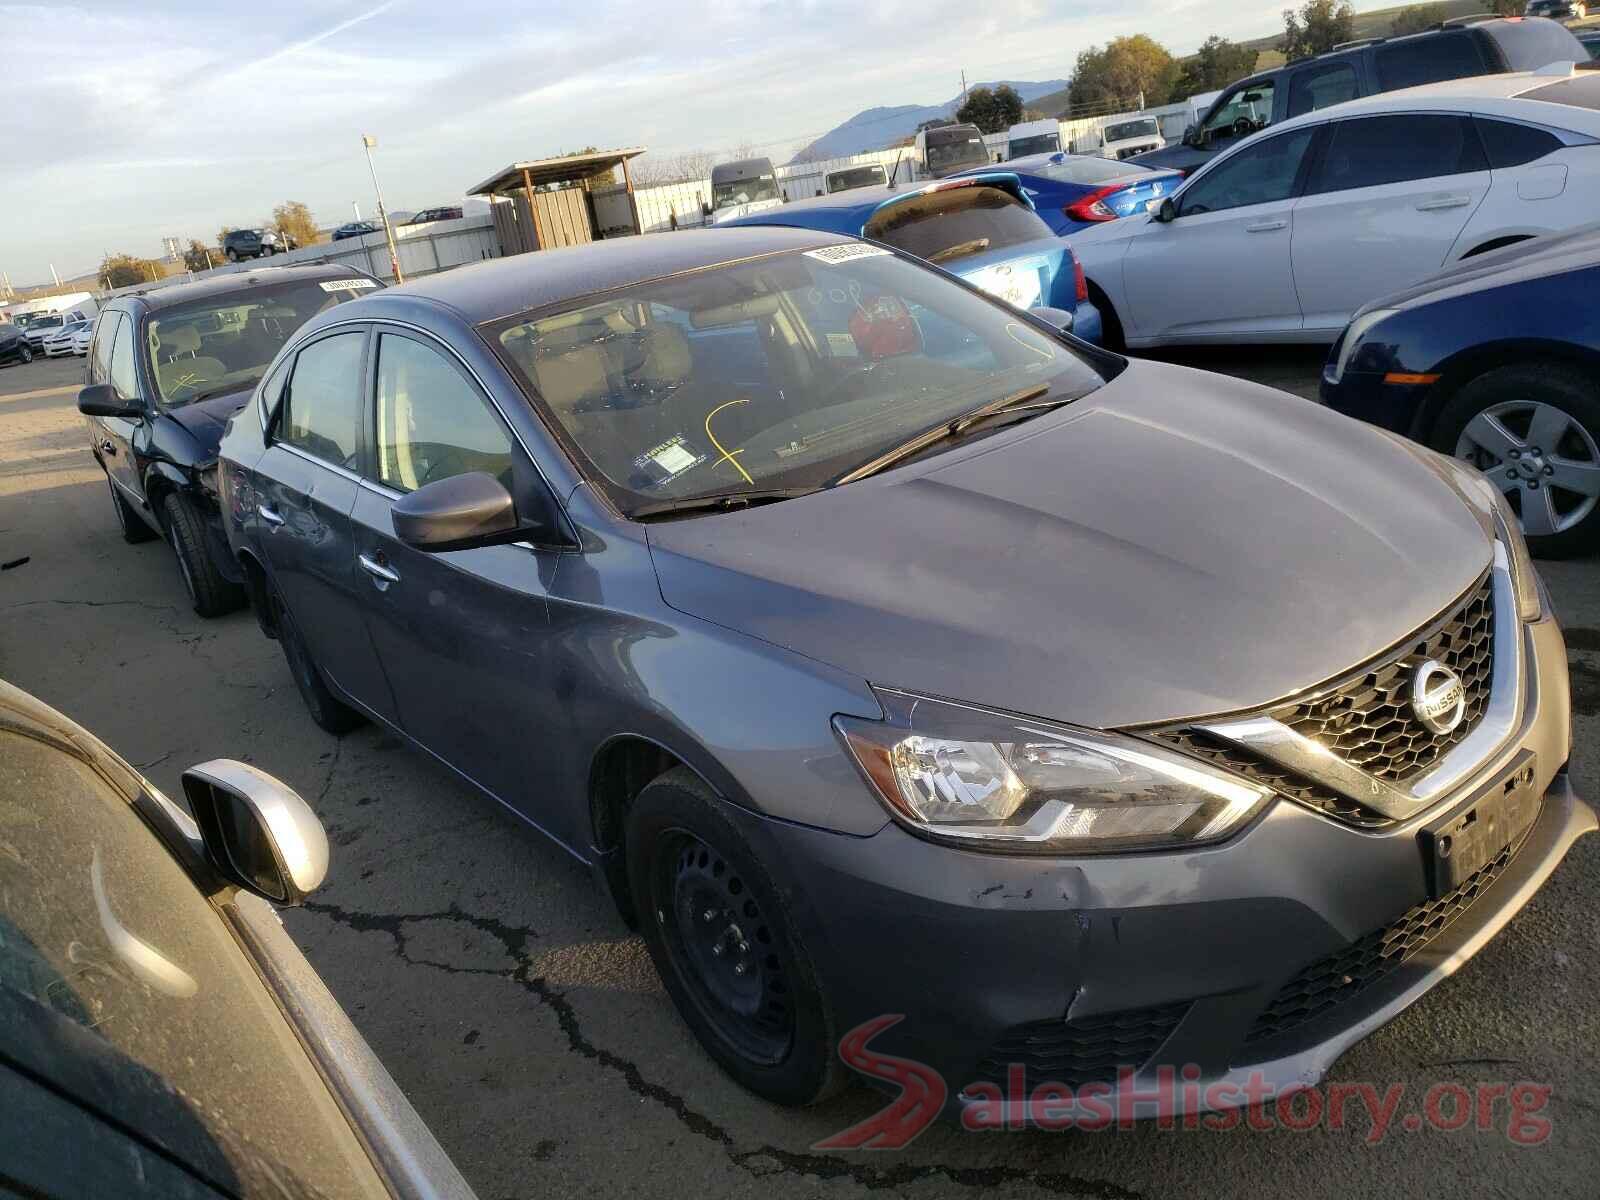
(39, 318)
(742, 187)
(1033, 137)
(946, 149)
(1122, 137)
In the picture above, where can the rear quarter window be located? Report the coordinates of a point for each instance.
(942, 227)
(1428, 59)
(1510, 145)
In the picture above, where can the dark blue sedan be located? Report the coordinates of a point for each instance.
(1074, 191)
(1496, 361)
(981, 227)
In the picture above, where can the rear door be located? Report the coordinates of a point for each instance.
(1222, 268)
(1388, 198)
(461, 634)
(306, 485)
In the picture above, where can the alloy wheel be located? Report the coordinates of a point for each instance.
(1541, 457)
(722, 947)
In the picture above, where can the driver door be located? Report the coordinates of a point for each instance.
(1223, 267)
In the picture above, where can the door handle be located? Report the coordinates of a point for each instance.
(269, 515)
(108, 447)
(1266, 226)
(1441, 202)
(378, 570)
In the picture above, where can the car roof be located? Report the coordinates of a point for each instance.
(167, 295)
(501, 287)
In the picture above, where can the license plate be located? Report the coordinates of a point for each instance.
(1458, 845)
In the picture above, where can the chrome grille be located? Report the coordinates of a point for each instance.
(1367, 719)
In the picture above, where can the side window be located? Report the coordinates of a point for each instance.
(1318, 87)
(124, 372)
(105, 337)
(323, 403)
(431, 422)
(1373, 151)
(1245, 111)
(1452, 54)
(1260, 173)
(1511, 145)
(272, 389)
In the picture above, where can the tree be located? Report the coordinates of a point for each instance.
(195, 258)
(1115, 76)
(1214, 66)
(222, 235)
(125, 270)
(1319, 27)
(292, 220)
(1413, 20)
(991, 111)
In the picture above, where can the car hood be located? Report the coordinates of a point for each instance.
(1516, 263)
(205, 420)
(1172, 545)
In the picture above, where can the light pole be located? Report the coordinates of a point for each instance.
(368, 142)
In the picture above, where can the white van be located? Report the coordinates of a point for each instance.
(1033, 137)
(1122, 138)
(742, 187)
(946, 149)
(844, 179)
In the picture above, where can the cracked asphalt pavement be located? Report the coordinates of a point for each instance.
(525, 1022)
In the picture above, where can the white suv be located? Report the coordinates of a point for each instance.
(1284, 236)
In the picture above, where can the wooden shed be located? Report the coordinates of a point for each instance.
(561, 201)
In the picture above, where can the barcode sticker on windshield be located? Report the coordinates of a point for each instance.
(845, 252)
(347, 285)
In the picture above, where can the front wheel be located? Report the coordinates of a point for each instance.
(232, 254)
(25, 355)
(1533, 430)
(724, 944)
(209, 591)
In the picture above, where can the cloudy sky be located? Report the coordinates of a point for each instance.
(127, 122)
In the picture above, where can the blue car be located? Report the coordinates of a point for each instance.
(981, 227)
(1496, 361)
(1073, 191)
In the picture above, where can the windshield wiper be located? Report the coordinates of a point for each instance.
(955, 427)
(720, 502)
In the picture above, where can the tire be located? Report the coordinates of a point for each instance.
(331, 714)
(132, 525)
(232, 254)
(1111, 335)
(25, 355)
(768, 1025)
(211, 594)
(1566, 404)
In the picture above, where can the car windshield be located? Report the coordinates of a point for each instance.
(951, 152)
(224, 343)
(725, 193)
(783, 372)
(1039, 143)
(855, 177)
(47, 321)
(1124, 130)
(1086, 170)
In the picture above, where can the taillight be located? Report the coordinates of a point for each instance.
(1079, 283)
(1093, 207)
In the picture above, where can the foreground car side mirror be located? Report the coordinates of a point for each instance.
(1056, 318)
(258, 832)
(101, 400)
(1165, 211)
(457, 513)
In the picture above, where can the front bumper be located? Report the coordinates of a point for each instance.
(1164, 964)
(1368, 396)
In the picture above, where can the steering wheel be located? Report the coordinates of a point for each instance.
(1243, 126)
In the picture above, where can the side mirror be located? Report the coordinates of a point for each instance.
(101, 400)
(257, 831)
(1191, 134)
(1056, 318)
(1166, 211)
(457, 514)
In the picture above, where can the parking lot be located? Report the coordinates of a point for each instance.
(526, 1024)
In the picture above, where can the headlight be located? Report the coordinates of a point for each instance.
(1524, 580)
(1352, 338)
(998, 782)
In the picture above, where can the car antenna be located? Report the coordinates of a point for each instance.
(896, 170)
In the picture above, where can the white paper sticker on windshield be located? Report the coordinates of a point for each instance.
(671, 458)
(845, 252)
(843, 345)
(347, 285)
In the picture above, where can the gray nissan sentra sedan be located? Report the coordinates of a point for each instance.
(885, 651)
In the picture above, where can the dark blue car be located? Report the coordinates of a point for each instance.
(981, 227)
(1496, 361)
(1074, 191)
